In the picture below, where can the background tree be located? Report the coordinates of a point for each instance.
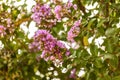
(72, 40)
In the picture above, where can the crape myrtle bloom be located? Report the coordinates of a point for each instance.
(45, 16)
(62, 10)
(67, 53)
(73, 74)
(2, 30)
(74, 31)
(9, 21)
(69, 5)
(42, 15)
(75, 6)
(51, 48)
(58, 12)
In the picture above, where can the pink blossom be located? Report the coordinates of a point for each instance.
(58, 12)
(73, 73)
(2, 30)
(77, 23)
(50, 47)
(41, 15)
(75, 6)
(67, 53)
(74, 31)
(69, 4)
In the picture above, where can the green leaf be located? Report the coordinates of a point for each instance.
(18, 0)
(98, 63)
(114, 62)
(87, 76)
(108, 46)
(15, 13)
(100, 23)
(78, 53)
(94, 50)
(20, 35)
(58, 27)
(110, 32)
(108, 56)
(90, 23)
(84, 54)
(99, 78)
(5, 6)
(107, 77)
(2, 77)
(116, 78)
(101, 31)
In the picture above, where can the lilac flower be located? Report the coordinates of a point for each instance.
(9, 21)
(60, 44)
(77, 23)
(43, 54)
(69, 5)
(34, 45)
(52, 58)
(42, 15)
(45, 10)
(74, 31)
(73, 73)
(36, 8)
(2, 30)
(67, 53)
(36, 17)
(45, 42)
(75, 6)
(40, 12)
(58, 12)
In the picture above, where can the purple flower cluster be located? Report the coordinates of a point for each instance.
(58, 12)
(74, 31)
(73, 73)
(2, 30)
(45, 16)
(42, 15)
(51, 48)
(71, 5)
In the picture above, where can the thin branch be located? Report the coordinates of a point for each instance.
(21, 21)
(81, 7)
